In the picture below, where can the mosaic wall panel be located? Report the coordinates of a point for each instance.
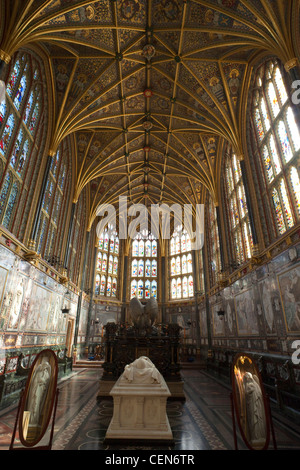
(262, 310)
(31, 305)
(100, 315)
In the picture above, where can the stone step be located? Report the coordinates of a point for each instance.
(193, 365)
(81, 363)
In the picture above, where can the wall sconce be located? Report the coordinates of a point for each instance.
(97, 321)
(65, 311)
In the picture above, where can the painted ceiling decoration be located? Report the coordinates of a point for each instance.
(150, 90)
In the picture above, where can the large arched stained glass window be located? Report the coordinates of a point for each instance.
(143, 266)
(278, 141)
(22, 125)
(181, 265)
(237, 210)
(107, 263)
(77, 238)
(54, 203)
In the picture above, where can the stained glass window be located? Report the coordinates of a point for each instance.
(295, 184)
(115, 267)
(239, 225)
(114, 287)
(53, 204)
(143, 266)
(108, 261)
(104, 263)
(133, 292)
(134, 268)
(77, 234)
(180, 265)
(19, 142)
(153, 288)
(110, 264)
(99, 261)
(278, 147)
(97, 285)
(213, 233)
(191, 286)
(147, 289)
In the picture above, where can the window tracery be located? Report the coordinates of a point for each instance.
(213, 238)
(20, 116)
(181, 265)
(237, 210)
(107, 263)
(278, 141)
(55, 200)
(143, 266)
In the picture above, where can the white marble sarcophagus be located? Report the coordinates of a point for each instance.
(140, 400)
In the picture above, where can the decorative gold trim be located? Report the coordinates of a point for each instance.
(5, 57)
(31, 245)
(255, 250)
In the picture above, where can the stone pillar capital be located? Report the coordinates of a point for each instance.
(291, 64)
(5, 57)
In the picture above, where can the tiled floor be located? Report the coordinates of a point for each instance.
(202, 422)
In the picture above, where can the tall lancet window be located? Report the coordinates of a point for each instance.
(240, 237)
(22, 126)
(213, 242)
(143, 274)
(278, 141)
(181, 265)
(54, 202)
(107, 263)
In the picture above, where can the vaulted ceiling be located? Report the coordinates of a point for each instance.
(151, 89)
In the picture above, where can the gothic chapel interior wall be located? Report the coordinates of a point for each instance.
(54, 269)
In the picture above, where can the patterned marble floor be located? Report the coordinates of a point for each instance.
(202, 422)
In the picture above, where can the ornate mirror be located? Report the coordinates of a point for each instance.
(38, 398)
(250, 403)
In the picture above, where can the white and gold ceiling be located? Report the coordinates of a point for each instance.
(150, 90)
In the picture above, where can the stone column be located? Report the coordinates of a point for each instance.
(125, 268)
(196, 288)
(163, 288)
(4, 60)
(67, 251)
(220, 238)
(91, 301)
(81, 292)
(206, 296)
